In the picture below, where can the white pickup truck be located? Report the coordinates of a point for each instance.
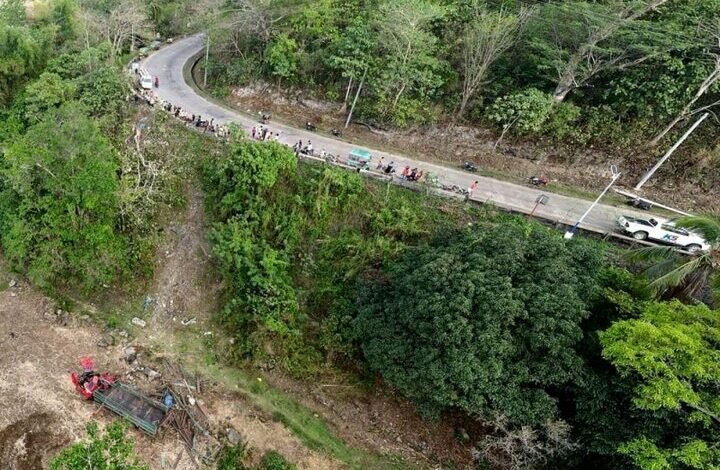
(662, 231)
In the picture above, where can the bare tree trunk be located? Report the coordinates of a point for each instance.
(408, 51)
(506, 128)
(463, 105)
(343, 108)
(686, 111)
(399, 93)
(568, 77)
(571, 76)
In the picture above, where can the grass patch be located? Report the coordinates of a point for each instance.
(308, 426)
(312, 430)
(4, 277)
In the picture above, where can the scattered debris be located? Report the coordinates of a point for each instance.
(147, 302)
(12, 283)
(191, 321)
(138, 322)
(107, 340)
(130, 354)
(232, 436)
(151, 374)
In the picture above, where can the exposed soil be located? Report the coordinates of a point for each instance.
(380, 421)
(44, 413)
(25, 443)
(690, 183)
(184, 288)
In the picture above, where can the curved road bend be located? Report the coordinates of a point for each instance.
(168, 63)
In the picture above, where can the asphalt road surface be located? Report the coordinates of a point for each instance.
(168, 63)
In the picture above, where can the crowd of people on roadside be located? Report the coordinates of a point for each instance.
(407, 173)
(263, 133)
(306, 149)
(189, 119)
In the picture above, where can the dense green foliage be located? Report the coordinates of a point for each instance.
(671, 353)
(499, 320)
(77, 202)
(278, 225)
(59, 202)
(625, 68)
(486, 320)
(108, 450)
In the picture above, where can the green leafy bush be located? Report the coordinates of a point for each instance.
(562, 121)
(109, 450)
(49, 91)
(103, 90)
(525, 111)
(275, 461)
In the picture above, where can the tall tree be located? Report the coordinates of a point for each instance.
(710, 36)
(480, 321)
(404, 30)
(672, 352)
(582, 39)
(59, 204)
(487, 35)
(23, 52)
(117, 20)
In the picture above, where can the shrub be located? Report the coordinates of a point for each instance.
(111, 450)
(525, 111)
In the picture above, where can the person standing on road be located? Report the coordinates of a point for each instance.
(471, 190)
(380, 163)
(252, 132)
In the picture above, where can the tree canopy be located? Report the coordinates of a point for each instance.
(671, 352)
(59, 203)
(485, 320)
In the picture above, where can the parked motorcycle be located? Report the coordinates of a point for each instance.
(538, 180)
(336, 132)
(639, 204)
(310, 126)
(469, 166)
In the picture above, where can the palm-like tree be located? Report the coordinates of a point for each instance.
(686, 274)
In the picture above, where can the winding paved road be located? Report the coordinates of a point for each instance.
(168, 64)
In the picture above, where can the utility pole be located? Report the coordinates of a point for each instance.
(207, 55)
(352, 108)
(615, 175)
(649, 174)
(132, 37)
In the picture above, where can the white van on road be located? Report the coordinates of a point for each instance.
(145, 79)
(662, 231)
